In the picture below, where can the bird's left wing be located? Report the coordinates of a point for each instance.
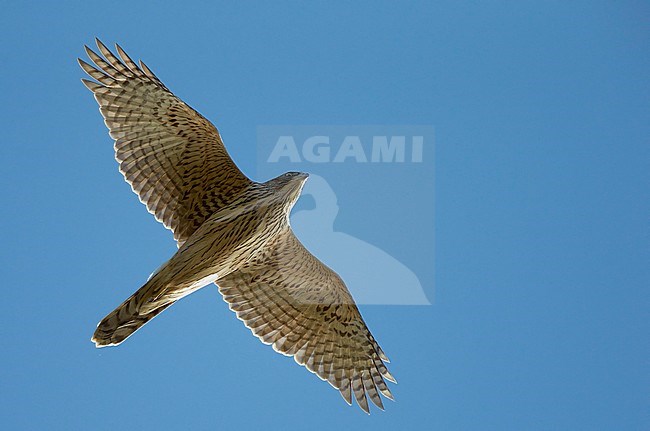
(172, 157)
(291, 300)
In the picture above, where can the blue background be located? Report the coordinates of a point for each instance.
(541, 112)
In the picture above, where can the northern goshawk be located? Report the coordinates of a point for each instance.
(231, 231)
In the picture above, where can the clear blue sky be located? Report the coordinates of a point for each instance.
(540, 305)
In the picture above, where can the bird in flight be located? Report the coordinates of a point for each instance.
(231, 231)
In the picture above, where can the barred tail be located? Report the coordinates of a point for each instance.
(123, 321)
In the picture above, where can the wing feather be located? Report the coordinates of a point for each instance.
(173, 158)
(290, 300)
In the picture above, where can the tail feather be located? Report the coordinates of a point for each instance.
(123, 321)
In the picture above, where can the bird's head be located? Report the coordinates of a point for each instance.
(290, 185)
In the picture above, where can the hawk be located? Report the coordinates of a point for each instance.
(231, 231)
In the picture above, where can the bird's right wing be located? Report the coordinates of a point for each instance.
(291, 300)
(172, 157)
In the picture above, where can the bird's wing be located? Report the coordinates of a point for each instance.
(173, 158)
(291, 300)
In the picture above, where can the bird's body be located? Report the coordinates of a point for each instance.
(231, 231)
